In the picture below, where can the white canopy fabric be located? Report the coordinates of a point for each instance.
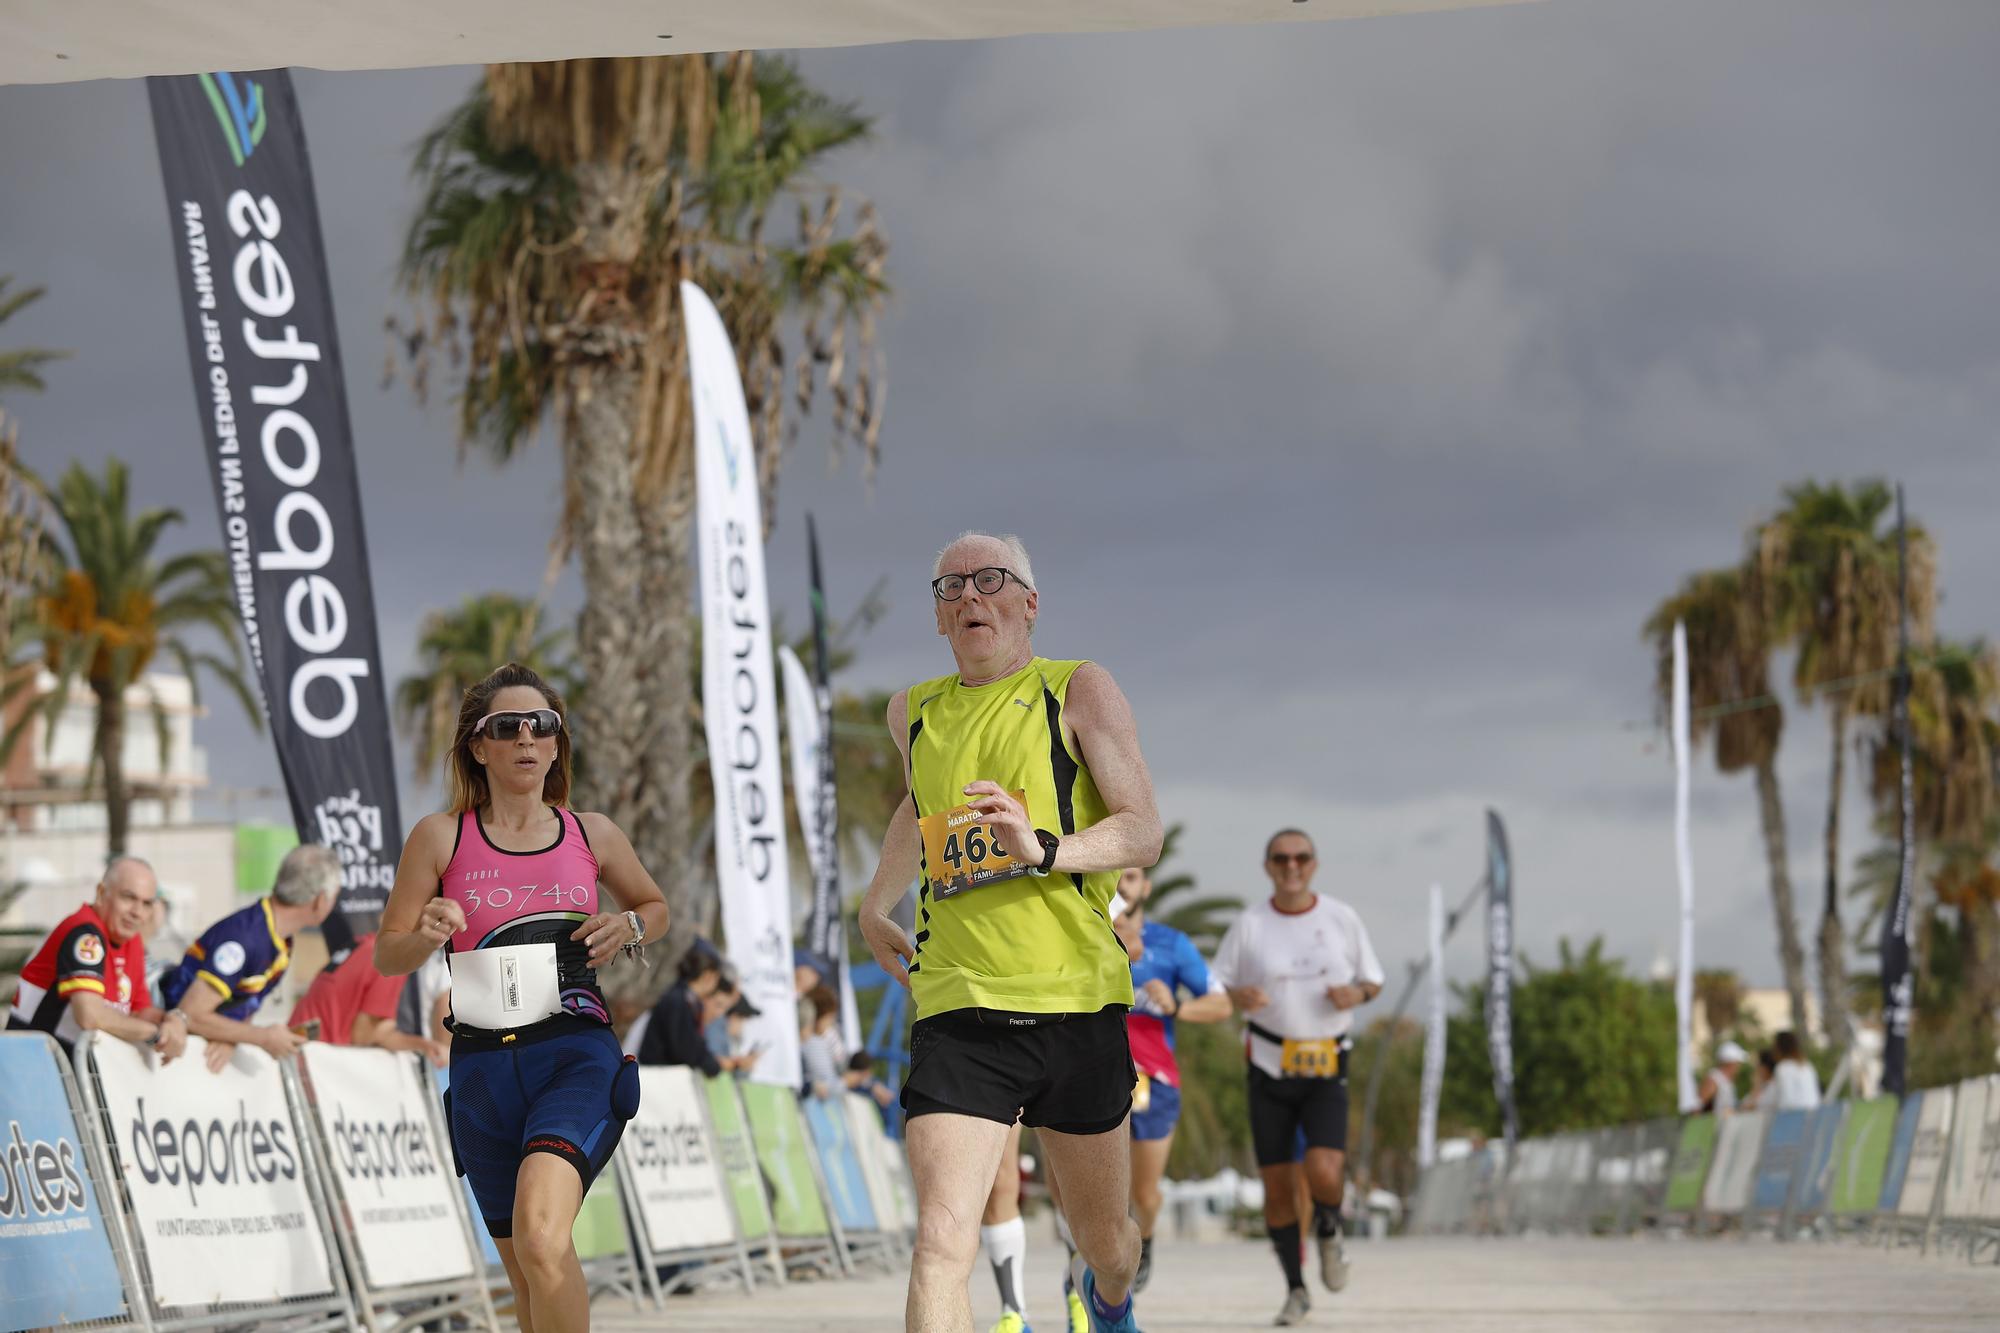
(58, 41)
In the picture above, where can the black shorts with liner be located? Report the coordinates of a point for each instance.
(1071, 1073)
(1281, 1107)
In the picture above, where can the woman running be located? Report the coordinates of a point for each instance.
(529, 899)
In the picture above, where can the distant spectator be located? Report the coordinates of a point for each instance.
(809, 970)
(723, 1014)
(1794, 1083)
(240, 959)
(164, 944)
(1718, 1088)
(819, 1046)
(860, 1077)
(673, 1029)
(355, 1005)
(90, 973)
(1760, 1080)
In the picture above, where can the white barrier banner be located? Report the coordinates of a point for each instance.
(394, 1175)
(739, 695)
(1989, 1152)
(871, 1145)
(1730, 1179)
(670, 1160)
(1965, 1171)
(216, 1175)
(1920, 1181)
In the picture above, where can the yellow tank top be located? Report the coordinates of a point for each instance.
(1034, 944)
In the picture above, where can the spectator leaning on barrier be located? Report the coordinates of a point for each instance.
(239, 960)
(90, 973)
(1794, 1083)
(819, 1045)
(725, 1004)
(1718, 1087)
(355, 1005)
(673, 1029)
(1761, 1096)
(860, 1077)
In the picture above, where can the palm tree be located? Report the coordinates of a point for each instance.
(1729, 694)
(21, 368)
(105, 608)
(1955, 759)
(1203, 919)
(458, 648)
(563, 205)
(21, 497)
(1828, 571)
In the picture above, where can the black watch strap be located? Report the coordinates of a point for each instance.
(1049, 843)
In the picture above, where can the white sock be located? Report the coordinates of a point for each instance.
(1006, 1247)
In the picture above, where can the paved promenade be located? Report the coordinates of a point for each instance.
(1460, 1286)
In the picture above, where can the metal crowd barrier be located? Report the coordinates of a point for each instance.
(320, 1193)
(1924, 1171)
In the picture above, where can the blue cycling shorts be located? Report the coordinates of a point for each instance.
(566, 1090)
(1162, 1113)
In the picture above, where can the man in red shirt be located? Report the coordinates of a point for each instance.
(90, 973)
(356, 1006)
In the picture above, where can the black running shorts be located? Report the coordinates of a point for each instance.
(1281, 1107)
(1071, 1073)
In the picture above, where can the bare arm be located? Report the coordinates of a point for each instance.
(902, 857)
(1108, 735)
(1210, 1008)
(94, 1013)
(631, 888)
(201, 1004)
(370, 1030)
(406, 938)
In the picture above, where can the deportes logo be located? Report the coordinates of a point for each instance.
(239, 107)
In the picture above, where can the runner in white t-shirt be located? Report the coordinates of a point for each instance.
(1297, 965)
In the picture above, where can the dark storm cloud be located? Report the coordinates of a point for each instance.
(1358, 388)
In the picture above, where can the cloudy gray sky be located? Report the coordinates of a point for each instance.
(1358, 387)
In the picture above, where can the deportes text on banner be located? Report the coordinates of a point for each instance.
(216, 1176)
(273, 406)
(1500, 970)
(671, 1163)
(56, 1264)
(739, 696)
(393, 1174)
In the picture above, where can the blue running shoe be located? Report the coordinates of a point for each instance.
(1086, 1286)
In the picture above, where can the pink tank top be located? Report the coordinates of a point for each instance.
(530, 898)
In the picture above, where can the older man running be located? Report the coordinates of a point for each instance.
(1028, 794)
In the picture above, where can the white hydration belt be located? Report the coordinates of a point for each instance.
(509, 986)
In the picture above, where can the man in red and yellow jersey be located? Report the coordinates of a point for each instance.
(90, 973)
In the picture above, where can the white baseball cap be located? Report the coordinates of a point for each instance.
(1730, 1053)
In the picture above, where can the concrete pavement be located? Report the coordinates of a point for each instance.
(1440, 1285)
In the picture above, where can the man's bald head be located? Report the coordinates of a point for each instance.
(125, 896)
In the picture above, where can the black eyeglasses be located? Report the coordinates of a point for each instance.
(541, 723)
(1291, 858)
(951, 587)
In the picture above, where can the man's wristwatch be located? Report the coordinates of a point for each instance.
(1049, 843)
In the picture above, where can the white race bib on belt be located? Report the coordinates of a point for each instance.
(509, 986)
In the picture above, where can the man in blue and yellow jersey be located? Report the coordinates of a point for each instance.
(223, 979)
(1028, 794)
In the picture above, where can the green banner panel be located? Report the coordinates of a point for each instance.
(600, 1224)
(259, 848)
(779, 1131)
(739, 1162)
(1690, 1166)
(1861, 1157)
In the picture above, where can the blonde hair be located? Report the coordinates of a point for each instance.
(465, 777)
